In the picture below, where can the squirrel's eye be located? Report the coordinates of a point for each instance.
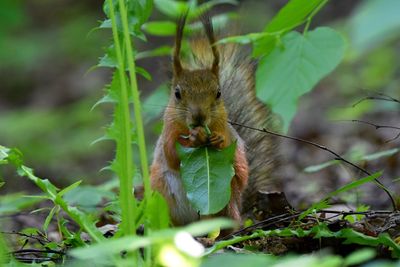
(177, 93)
(218, 94)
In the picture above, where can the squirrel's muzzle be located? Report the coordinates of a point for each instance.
(198, 117)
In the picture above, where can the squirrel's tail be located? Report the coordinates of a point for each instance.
(237, 82)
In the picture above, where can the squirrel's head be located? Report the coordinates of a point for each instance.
(196, 93)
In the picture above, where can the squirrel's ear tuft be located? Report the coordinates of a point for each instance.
(208, 28)
(177, 66)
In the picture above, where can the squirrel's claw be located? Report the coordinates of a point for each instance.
(217, 140)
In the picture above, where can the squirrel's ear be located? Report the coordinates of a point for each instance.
(177, 66)
(208, 27)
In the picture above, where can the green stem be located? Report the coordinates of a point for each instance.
(136, 100)
(235, 240)
(312, 14)
(81, 219)
(124, 148)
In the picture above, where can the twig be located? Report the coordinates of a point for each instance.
(380, 127)
(378, 96)
(41, 239)
(376, 125)
(265, 223)
(26, 251)
(366, 213)
(337, 156)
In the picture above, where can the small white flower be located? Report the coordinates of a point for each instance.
(186, 243)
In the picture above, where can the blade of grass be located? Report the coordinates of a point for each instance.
(136, 100)
(124, 140)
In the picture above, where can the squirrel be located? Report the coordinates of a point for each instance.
(215, 87)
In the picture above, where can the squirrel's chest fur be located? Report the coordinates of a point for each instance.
(169, 183)
(183, 211)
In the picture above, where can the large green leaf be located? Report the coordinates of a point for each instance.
(206, 174)
(290, 16)
(290, 71)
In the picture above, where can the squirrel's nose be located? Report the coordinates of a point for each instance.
(198, 118)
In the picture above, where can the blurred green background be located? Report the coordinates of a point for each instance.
(46, 92)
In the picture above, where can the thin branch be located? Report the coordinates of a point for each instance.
(337, 156)
(377, 126)
(41, 239)
(264, 223)
(377, 96)
(27, 251)
(366, 213)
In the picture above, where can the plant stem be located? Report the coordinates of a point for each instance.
(312, 14)
(124, 148)
(136, 101)
(223, 244)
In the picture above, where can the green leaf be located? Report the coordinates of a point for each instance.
(87, 197)
(373, 23)
(164, 50)
(354, 157)
(143, 72)
(323, 204)
(290, 71)
(353, 236)
(206, 174)
(380, 154)
(12, 203)
(171, 8)
(160, 28)
(14, 156)
(69, 188)
(49, 217)
(290, 16)
(3, 152)
(318, 167)
(360, 256)
(355, 184)
(157, 212)
(111, 247)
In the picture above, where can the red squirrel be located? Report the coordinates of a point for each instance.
(216, 86)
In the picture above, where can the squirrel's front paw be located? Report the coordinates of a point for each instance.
(217, 140)
(198, 137)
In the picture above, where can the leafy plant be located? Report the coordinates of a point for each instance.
(292, 63)
(13, 156)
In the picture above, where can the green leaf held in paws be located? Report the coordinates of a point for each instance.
(206, 174)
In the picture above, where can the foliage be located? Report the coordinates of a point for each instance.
(206, 175)
(13, 156)
(292, 64)
(295, 67)
(312, 55)
(354, 156)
